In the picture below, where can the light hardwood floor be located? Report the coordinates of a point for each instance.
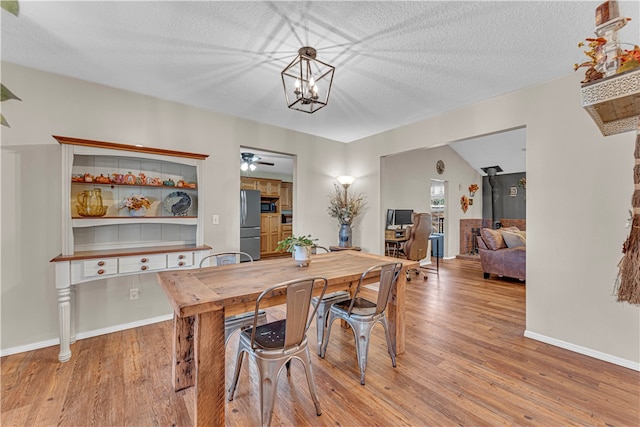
(466, 363)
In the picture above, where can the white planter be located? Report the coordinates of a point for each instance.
(302, 255)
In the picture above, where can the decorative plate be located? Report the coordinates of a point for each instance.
(440, 167)
(178, 203)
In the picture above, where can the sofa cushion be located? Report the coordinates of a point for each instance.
(514, 239)
(493, 239)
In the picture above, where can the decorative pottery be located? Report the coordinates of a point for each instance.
(302, 255)
(178, 203)
(345, 236)
(138, 212)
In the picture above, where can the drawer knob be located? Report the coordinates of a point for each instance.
(101, 271)
(144, 260)
(180, 256)
(144, 267)
(100, 263)
(180, 264)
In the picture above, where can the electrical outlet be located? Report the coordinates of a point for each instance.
(133, 294)
(216, 219)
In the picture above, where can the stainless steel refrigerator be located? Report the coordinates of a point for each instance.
(250, 223)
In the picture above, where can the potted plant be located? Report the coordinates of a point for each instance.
(299, 246)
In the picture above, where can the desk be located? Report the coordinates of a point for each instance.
(392, 246)
(203, 297)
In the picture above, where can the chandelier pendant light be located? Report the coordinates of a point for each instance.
(307, 82)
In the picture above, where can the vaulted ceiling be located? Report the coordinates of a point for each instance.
(396, 62)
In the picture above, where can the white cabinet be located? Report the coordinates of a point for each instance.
(108, 239)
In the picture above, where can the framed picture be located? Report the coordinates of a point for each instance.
(513, 191)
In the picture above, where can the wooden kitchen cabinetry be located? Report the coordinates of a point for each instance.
(286, 196)
(269, 233)
(110, 241)
(267, 187)
(286, 230)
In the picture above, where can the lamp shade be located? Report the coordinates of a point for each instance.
(346, 180)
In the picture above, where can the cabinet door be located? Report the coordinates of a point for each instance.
(247, 183)
(286, 196)
(274, 232)
(285, 231)
(264, 233)
(274, 188)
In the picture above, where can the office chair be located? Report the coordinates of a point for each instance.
(362, 314)
(272, 346)
(243, 320)
(417, 244)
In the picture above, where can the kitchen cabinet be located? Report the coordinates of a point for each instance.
(286, 230)
(286, 196)
(102, 237)
(268, 187)
(269, 233)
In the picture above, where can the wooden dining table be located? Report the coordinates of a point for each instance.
(203, 297)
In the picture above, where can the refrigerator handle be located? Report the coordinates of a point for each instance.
(243, 207)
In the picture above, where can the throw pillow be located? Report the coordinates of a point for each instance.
(493, 239)
(513, 240)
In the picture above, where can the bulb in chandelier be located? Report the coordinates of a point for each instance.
(297, 88)
(252, 167)
(244, 167)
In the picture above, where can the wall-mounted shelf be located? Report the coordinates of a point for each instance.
(614, 102)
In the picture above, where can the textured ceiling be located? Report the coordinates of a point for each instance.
(396, 62)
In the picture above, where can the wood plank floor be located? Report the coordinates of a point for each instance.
(466, 363)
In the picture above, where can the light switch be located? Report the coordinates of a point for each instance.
(216, 219)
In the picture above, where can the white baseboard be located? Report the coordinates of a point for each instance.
(87, 334)
(584, 350)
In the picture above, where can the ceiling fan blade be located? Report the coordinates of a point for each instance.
(265, 163)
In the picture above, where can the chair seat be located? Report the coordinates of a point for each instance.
(361, 307)
(269, 336)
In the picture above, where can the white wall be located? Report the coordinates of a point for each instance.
(406, 184)
(30, 197)
(579, 187)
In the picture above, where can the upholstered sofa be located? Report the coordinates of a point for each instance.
(503, 252)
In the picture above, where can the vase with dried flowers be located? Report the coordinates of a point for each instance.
(345, 207)
(137, 204)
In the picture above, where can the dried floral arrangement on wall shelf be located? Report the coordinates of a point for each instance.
(611, 87)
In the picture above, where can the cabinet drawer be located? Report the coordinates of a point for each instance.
(142, 263)
(180, 259)
(99, 267)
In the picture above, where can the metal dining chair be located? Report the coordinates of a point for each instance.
(325, 304)
(272, 346)
(362, 314)
(238, 321)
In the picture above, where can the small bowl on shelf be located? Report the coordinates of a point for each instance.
(92, 210)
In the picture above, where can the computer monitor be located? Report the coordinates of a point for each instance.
(390, 213)
(403, 217)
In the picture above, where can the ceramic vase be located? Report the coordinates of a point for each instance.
(345, 236)
(302, 255)
(138, 212)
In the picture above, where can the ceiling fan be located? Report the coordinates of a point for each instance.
(249, 161)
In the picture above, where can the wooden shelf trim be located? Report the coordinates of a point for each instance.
(115, 184)
(125, 147)
(113, 253)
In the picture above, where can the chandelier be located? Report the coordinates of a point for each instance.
(307, 82)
